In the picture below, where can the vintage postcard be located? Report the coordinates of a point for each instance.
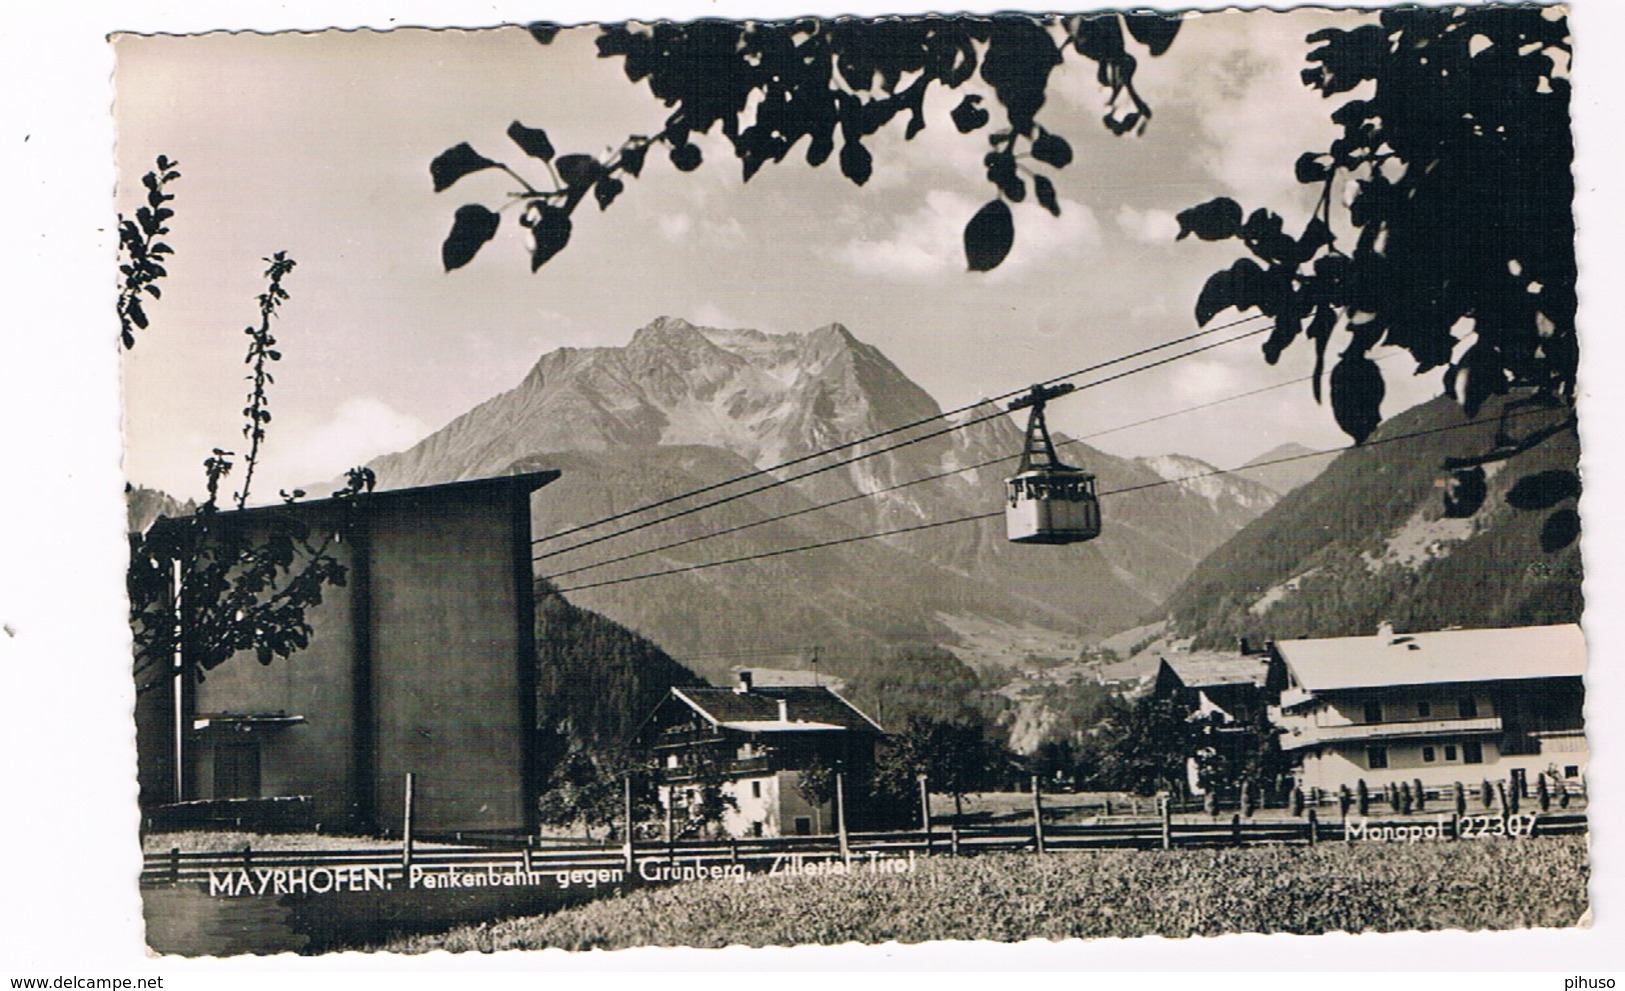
(808, 480)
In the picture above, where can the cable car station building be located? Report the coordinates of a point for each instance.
(1458, 705)
(423, 662)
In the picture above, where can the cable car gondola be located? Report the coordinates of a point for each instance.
(1048, 502)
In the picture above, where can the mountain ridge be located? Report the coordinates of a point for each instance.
(681, 407)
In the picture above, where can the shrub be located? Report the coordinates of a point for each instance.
(1363, 793)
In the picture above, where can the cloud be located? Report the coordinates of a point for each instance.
(1255, 115)
(683, 228)
(929, 243)
(675, 226)
(1150, 226)
(361, 428)
(709, 314)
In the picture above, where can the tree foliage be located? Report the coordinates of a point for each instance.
(142, 252)
(830, 84)
(957, 757)
(203, 589)
(1148, 753)
(588, 787)
(1452, 169)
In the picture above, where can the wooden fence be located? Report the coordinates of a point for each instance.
(761, 854)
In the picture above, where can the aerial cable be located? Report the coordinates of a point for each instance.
(918, 481)
(776, 482)
(886, 433)
(997, 513)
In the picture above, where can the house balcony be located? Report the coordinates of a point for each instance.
(746, 767)
(1297, 737)
(671, 739)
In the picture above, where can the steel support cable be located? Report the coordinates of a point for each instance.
(918, 481)
(984, 516)
(777, 482)
(885, 433)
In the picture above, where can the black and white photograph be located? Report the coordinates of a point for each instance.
(804, 480)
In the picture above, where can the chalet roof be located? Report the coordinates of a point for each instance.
(758, 710)
(1451, 656)
(1208, 669)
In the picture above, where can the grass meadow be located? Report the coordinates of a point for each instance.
(1370, 887)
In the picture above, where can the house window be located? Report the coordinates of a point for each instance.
(755, 789)
(1468, 707)
(1428, 755)
(1373, 712)
(1450, 751)
(1571, 770)
(1472, 752)
(1376, 758)
(803, 825)
(756, 829)
(1424, 710)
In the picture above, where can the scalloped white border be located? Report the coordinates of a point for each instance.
(68, 855)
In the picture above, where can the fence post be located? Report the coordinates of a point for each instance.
(526, 854)
(840, 816)
(1038, 816)
(925, 810)
(1314, 827)
(1108, 811)
(174, 865)
(626, 807)
(1235, 829)
(1166, 811)
(953, 839)
(671, 835)
(406, 826)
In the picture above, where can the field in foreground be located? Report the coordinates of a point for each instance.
(1366, 888)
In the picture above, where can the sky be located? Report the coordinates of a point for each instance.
(69, 854)
(319, 144)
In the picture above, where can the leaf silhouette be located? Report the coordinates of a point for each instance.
(1545, 489)
(1357, 391)
(532, 141)
(1464, 492)
(988, 237)
(472, 226)
(550, 232)
(456, 162)
(1561, 529)
(1214, 220)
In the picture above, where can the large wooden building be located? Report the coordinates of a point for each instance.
(757, 742)
(423, 662)
(1458, 705)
